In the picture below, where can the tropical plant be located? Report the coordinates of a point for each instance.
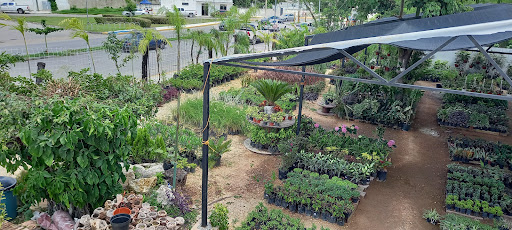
(78, 28)
(148, 36)
(268, 39)
(432, 216)
(218, 147)
(76, 166)
(114, 47)
(22, 27)
(44, 31)
(271, 90)
(219, 217)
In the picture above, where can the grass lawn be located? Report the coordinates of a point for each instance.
(51, 21)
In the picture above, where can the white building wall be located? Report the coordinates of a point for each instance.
(197, 5)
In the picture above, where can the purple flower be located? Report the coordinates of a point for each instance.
(356, 127)
(344, 129)
(391, 143)
(336, 129)
(317, 125)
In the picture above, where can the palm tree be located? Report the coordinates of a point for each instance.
(4, 16)
(271, 90)
(78, 28)
(176, 20)
(21, 26)
(267, 38)
(148, 36)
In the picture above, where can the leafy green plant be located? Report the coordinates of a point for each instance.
(3, 212)
(71, 150)
(44, 31)
(271, 90)
(78, 28)
(218, 147)
(147, 148)
(114, 48)
(219, 217)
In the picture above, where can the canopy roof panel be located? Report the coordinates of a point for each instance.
(487, 23)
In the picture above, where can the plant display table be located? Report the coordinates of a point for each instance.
(270, 128)
(326, 109)
(281, 125)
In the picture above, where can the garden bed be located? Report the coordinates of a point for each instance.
(478, 192)
(474, 151)
(479, 114)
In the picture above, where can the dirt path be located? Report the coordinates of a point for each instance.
(415, 182)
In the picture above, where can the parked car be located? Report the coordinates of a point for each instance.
(14, 7)
(187, 13)
(222, 26)
(132, 40)
(269, 18)
(287, 17)
(135, 13)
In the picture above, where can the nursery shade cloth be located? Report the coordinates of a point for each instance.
(487, 23)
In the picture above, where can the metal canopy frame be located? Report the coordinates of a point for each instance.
(240, 62)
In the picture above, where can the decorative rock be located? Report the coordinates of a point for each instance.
(180, 221)
(130, 177)
(148, 170)
(85, 221)
(143, 185)
(164, 195)
(97, 224)
(181, 176)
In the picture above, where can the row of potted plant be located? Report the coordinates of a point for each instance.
(264, 139)
(263, 218)
(453, 221)
(478, 185)
(191, 77)
(256, 115)
(481, 114)
(315, 195)
(473, 207)
(465, 149)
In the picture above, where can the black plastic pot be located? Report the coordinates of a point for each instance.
(382, 175)
(278, 201)
(301, 209)
(292, 207)
(308, 211)
(491, 216)
(485, 215)
(271, 199)
(282, 174)
(325, 215)
(284, 204)
(331, 219)
(406, 127)
(341, 222)
(468, 211)
(120, 222)
(316, 215)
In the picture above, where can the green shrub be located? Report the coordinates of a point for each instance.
(157, 19)
(219, 217)
(147, 148)
(71, 150)
(111, 15)
(145, 23)
(223, 118)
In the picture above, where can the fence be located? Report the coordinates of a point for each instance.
(61, 61)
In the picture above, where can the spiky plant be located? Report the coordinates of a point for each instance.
(271, 90)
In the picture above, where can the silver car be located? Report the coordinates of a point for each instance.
(287, 17)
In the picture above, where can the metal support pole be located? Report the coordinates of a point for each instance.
(87, 8)
(363, 66)
(206, 131)
(301, 94)
(489, 58)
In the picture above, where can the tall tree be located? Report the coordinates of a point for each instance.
(45, 31)
(148, 36)
(78, 28)
(176, 20)
(114, 48)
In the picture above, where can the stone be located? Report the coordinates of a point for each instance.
(180, 220)
(164, 195)
(130, 177)
(143, 185)
(148, 170)
(181, 176)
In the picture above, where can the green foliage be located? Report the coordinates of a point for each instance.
(142, 22)
(71, 151)
(147, 148)
(431, 215)
(454, 221)
(3, 212)
(130, 6)
(271, 90)
(6, 60)
(223, 118)
(78, 28)
(53, 5)
(114, 48)
(219, 217)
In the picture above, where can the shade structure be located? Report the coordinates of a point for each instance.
(145, 2)
(487, 23)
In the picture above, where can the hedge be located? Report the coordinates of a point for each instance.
(112, 16)
(157, 19)
(141, 21)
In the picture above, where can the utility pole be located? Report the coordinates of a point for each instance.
(275, 9)
(318, 6)
(87, 8)
(264, 16)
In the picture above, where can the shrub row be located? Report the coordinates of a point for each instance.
(146, 23)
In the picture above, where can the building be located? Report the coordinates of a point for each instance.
(202, 7)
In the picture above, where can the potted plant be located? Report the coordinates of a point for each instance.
(329, 97)
(432, 216)
(271, 90)
(218, 147)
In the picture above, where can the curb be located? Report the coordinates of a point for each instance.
(165, 28)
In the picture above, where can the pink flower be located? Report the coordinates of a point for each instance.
(343, 126)
(391, 143)
(336, 129)
(356, 127)
(343, 129)
(317, 125)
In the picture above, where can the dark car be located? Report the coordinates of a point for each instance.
(270, 19)
(132, 40)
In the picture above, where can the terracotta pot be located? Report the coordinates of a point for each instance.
(162, 213)
(152, 215)
(122, 210)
